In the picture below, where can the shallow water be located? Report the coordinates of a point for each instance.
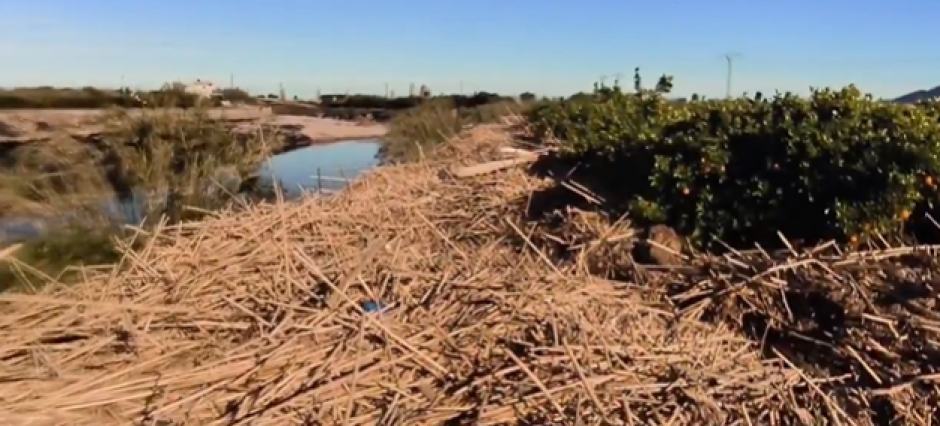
(324, 167)
(328, 167)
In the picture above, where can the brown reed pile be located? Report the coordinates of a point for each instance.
(256, 319)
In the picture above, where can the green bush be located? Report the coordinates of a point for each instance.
(238, 95)
(835, 165)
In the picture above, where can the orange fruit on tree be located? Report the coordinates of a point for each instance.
(929, 180)
(685, 191)
(904, 214)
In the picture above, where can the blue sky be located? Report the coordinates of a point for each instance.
(548, 47)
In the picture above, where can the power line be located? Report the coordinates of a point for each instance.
(730, 57)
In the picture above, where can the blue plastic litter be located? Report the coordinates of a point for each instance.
(371, 307)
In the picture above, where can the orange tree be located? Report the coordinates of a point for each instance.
(837, 164)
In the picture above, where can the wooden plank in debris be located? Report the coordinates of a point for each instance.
(492, 166)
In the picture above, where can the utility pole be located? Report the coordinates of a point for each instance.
(281, 86)
(730, 57)
(386, 90)
(231, 81)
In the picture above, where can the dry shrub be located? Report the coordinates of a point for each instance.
(69, 196)
(257, 318)
(38, 179)
(416, 132)
(156, 150)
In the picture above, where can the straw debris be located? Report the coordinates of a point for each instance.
(257, 318)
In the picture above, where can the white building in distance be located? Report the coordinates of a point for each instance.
(204, 89)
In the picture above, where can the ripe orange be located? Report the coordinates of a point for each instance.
(904, 214)
(928, 180)
(685, 191)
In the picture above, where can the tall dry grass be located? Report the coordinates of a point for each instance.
(144, 166)
(418, 131)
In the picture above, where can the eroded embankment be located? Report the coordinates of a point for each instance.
(258, 317)
(19, 127)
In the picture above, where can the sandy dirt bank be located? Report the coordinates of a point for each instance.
(36, 125)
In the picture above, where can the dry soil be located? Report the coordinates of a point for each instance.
(34, 125)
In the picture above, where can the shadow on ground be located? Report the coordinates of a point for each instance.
(861, 328)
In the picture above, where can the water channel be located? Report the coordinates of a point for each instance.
(324, 167)
(328, 167)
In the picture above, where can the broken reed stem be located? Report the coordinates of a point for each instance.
(257, 317)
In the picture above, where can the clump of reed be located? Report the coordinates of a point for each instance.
(158, 165)
(415, 132)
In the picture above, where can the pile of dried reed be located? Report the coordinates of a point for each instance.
(258, 319)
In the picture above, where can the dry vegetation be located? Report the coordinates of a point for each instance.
(47, 97)
(166, 155)
(257, 318)
(417, 131)
(53, 97)
(46, 124)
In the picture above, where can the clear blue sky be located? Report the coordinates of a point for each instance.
(509, 46)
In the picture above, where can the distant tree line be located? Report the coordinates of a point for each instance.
(175, 95)
(408, 102)
(171, 95)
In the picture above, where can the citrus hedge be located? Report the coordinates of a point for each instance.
(836, 165)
